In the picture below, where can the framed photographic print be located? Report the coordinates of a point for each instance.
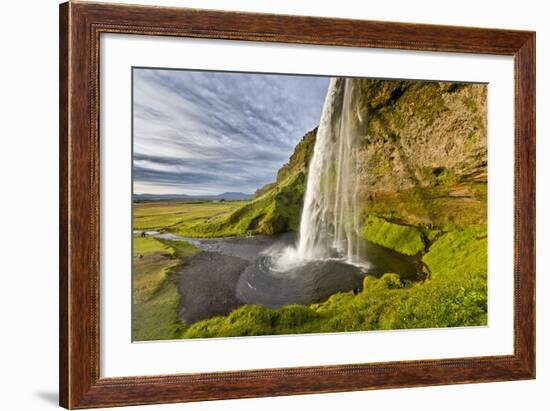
(257, 205)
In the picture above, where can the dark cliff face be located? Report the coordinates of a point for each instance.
(424, 151)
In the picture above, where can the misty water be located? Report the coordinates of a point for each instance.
(331, 217)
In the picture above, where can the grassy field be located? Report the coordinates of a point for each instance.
(169, 214)
(275, 211)
(155, 293)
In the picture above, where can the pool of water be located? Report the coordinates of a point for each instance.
(234, 271)
(265, 281)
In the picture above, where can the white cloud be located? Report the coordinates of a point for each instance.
(211, 132)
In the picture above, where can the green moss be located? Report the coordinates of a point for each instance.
(265, 189)
(299, 160)
(395, 102)
(391, 281)
(439, 207)
(384, 166)
(431, 235)
(459, 253)
(470, 103)
(437, 303)
(257, 320)
(471, 141)
(404, 239)
(443, 176)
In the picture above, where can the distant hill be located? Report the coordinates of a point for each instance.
(185, 197)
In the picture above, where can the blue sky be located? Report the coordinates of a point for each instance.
(211, 132)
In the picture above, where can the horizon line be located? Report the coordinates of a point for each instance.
(194, 195)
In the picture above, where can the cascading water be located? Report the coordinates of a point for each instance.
(330, 222)
(330, 256)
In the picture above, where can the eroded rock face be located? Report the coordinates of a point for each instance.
(424, 151)
(421, 130)
(423, 155)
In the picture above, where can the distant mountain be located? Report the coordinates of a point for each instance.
(185, 197)
(234, 195)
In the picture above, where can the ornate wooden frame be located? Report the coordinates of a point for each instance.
(80, 27)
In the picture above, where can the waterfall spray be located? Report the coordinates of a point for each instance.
(330, 220)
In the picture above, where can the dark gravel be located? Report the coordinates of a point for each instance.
(207, 285)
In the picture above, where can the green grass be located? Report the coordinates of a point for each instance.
(164, 214)
(459, 253)
(156, 317)
(155, 294)
(251, 320)
(146, 245)
(456, 295)
(276, 211)
(404, 239)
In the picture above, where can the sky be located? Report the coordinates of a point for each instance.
(206, 133)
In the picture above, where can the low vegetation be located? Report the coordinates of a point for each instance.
(155, 295)
(447, 207)
(276, 211)
(169, 214)
(404, 239)
(455, 295)
(148, 245)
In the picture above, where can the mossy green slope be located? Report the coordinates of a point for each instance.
(274, 212)
(404, 239)
(299, 160)
(459, 253)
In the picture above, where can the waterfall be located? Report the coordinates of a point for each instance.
(330, 221)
